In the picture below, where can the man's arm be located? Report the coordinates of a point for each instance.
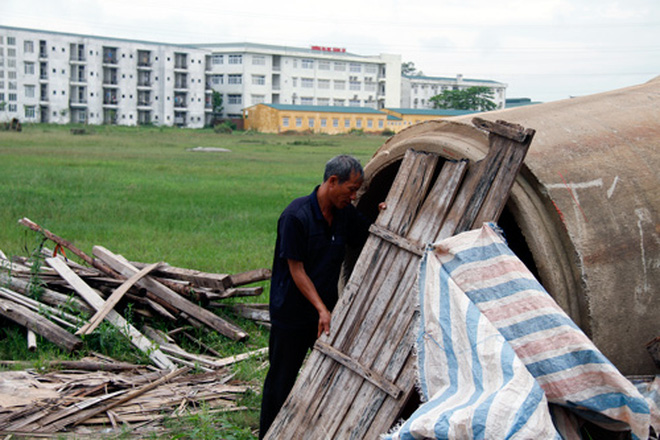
(305, 285)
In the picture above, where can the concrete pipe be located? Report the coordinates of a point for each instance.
(583, 213)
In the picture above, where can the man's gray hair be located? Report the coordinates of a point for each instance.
(342, 166)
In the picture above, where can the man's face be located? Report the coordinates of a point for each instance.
(342, 194)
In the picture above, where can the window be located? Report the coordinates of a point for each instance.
(324, 65)
(29, 91)
(217, 79)
(11, 74)
(285, 121)
(307, 64)
(354, 103)
(11, 85)
(310, 122)
(28, 46)
(11, 41)
(340, 84)
(11, 97)
(258, 60)
(347, 123)
(307, 83)
(324, 122)
(235, 79)
(380, 123)
(258, 80)
(370, 86)
(298, 122)
(217, 59)
(335, 122)
(358, 123)
(339, 102)
(294, 82)
(234, 99)
(235, 59)
(370, 123)
(12, 108)
(339, 66)
(355, 67)
(371, 68)
(323, 101)
(324, 83)
(355, 85)
(258, 99)
(30, 111)
(305, 100)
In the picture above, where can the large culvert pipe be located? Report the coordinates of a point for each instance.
(583, 212)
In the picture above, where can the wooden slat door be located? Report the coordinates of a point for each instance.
(358, 379)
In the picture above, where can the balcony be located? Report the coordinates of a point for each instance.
(80, 102)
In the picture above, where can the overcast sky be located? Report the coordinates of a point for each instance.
(543, 49)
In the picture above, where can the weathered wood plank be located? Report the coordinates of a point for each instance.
(212, 320)
(350, 363)
(127, 329)
(40, 325)
(114, 299)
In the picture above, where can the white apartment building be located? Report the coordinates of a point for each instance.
(61, 77)
(416, 91)
(249, 74)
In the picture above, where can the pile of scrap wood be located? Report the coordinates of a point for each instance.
(114, 395)
(63, 300)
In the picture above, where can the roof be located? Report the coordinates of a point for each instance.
(452, 79)
(432, 111)
(324, 108)
(519, 102)
(98, 37)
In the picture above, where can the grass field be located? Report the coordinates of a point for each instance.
(139, 192)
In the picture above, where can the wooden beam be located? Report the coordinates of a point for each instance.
(177, 301)
(353, 365)
(93, 298)
(40, 325)
(112, 301)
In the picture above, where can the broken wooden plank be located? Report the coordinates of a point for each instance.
(212, 320)
(249, 277)
(40, 325)
(214, 281)
(112, 301)
(133, 335)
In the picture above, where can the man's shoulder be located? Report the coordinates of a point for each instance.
(301, 204)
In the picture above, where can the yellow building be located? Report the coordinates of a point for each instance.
(400, 118)
(281, 118)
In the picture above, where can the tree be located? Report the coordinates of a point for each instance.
(473, 98)
(408, 68)
(216, 102)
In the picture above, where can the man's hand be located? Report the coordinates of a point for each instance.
(324, 323)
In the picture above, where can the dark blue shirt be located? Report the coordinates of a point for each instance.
(304, 235)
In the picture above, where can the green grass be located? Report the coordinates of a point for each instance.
(139, 192)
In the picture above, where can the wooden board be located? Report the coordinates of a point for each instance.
(373, 327)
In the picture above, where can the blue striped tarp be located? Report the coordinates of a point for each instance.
(494, 350)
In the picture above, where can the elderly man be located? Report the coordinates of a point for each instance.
(312, 234)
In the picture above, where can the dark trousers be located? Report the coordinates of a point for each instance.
(286, 353)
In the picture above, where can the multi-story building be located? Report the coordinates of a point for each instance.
(417, 90)
(62, 77)
(249, 74)
(59, 78)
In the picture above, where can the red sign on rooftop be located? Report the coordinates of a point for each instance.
(329, 49)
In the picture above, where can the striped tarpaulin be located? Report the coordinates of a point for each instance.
(494, 349)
